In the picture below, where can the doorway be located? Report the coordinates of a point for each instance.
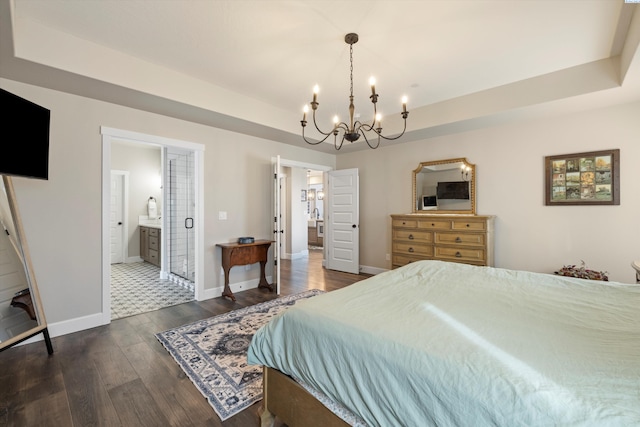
(171, 155)
(297, 209)
(315, 210)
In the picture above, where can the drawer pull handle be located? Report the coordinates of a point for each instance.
(410, 236)
(410, 249)
(458, 239)
(433, 225)
(458, 255)
(468, 225)
(404, 223)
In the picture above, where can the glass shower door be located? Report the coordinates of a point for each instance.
(181, 199)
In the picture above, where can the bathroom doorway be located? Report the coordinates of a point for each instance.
(170, 173)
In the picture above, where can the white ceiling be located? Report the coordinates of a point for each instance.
(462, 63)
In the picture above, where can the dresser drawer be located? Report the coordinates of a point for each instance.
(412, 249)
(468, 225)
(466, 239)
(435, 224)
(410, 235)
(406, 223)
(460, 254)
(400, 260)
(153, 232)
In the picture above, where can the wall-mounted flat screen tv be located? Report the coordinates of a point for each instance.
(25, 137)
(453, 190)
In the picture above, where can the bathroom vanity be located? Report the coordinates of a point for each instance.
(150, 238)
(316, 232)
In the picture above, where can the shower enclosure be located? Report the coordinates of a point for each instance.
(180, 197)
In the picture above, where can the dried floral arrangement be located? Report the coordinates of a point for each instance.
(582, 272)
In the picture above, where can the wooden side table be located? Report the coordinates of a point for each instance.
(244, 254)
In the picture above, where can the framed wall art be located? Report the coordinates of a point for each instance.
(591, 178)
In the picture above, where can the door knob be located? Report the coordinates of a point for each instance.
(120, 223)
(353, 226)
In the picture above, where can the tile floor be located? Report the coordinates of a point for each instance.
(136, 288)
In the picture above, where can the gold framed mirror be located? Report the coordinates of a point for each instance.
(445, 187)
(21, 314)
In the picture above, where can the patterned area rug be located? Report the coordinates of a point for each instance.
(213, 353)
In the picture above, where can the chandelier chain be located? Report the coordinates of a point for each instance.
(351, 68)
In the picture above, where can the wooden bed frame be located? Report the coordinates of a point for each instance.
(286, 401)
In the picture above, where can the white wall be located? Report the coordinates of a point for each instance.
(62, 216)
(510, 184)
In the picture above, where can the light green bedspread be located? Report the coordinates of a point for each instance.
(447, 344)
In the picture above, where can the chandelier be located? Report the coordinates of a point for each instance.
(354, 129)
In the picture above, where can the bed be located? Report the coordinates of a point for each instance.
(447, 344)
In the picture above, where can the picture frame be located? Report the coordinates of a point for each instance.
(589, 178)
(303, 197)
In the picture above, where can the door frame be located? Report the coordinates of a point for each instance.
(110, 135)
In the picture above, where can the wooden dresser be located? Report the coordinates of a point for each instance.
(456, 238)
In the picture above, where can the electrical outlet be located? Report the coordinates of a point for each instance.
(222, 215)
(388, 257)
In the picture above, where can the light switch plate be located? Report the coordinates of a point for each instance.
(222, 215)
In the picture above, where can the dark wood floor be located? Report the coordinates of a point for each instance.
(120, 375)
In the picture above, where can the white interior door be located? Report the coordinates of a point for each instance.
(117, 217)
(342, 225)
(277, 223)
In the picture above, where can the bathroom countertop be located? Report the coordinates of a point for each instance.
(151, 224)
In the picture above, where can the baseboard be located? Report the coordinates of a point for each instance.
(300, 255)
(235, 287)
(372, 270)
(68, 327)
(94, 320)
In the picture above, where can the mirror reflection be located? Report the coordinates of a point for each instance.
(17, 313)
(21, 315)
(444, 186)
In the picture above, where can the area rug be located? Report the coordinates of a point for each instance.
(213, 353)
